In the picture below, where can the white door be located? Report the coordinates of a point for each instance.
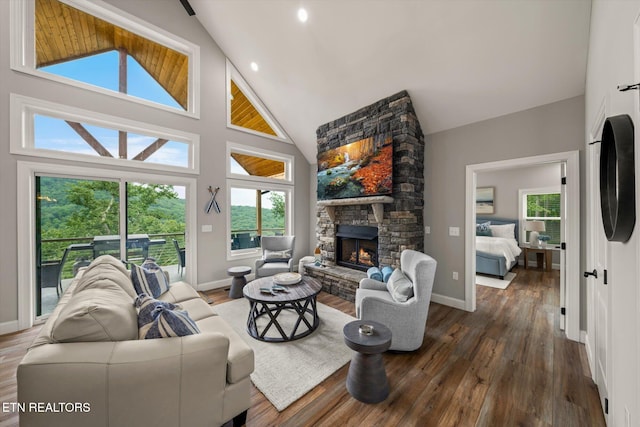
(601, 291)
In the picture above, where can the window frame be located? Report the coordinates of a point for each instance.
(23, 59)
(522, 196)
(234, 74)
(26, 173)
(287, 159)
(258, 183)
(22, 141)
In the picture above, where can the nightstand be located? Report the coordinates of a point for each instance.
(543, 255)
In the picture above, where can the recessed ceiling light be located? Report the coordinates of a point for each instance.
(303, 15)
(254, 66)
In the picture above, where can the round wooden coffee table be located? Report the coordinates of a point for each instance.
(300, 298)
(367, 379)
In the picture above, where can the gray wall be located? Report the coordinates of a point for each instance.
(551, 128)
(508, 182)
(612, 53)
(171, 16)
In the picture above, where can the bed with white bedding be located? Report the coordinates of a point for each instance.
(497, 253)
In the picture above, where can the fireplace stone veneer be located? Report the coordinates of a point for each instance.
(401, 225)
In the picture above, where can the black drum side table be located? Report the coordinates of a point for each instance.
(367, 378)
(238, 281)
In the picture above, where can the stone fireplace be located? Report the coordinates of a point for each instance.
(397, 218)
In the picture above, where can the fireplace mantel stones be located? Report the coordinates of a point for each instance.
(400, 217)
(377, 204)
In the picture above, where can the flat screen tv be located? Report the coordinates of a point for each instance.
(359, 169)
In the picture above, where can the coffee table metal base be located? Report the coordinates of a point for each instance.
(272, 310)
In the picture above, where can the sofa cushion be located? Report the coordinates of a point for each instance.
(399, 286)
(240, 362)
(149, 279)
(160, 319)
(178, 292)
(105, 272)
(96, 315)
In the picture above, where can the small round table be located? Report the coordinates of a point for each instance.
(238, 281)
(367, 379)
(299, 298)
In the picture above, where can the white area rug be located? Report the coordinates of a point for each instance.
(284, 372)
(495, 282)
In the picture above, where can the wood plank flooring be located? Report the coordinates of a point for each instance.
(507, 364)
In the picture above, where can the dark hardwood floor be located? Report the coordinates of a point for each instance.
(507, 364)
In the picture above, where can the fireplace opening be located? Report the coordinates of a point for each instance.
(357, 246)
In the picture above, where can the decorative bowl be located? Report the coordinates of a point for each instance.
(287, 278)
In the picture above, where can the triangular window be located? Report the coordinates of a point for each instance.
(246, 112)
(95, 49)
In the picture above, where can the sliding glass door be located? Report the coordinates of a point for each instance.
(78, 219)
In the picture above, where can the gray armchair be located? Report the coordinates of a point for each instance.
(407, 320)
(277, 256)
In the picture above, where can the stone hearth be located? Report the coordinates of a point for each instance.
(399, 217)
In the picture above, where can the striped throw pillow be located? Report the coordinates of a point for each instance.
(149, 279)
(160, 319)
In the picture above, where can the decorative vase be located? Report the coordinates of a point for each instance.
(542, 243)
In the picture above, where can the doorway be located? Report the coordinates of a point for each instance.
(570, 286)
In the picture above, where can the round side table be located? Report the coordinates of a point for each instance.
(367, 379)
(238, 281)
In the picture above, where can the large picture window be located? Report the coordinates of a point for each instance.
(543, 206)
(97, 47)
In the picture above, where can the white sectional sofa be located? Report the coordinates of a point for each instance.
(87, 366)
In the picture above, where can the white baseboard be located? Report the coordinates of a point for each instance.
(8, 327)
(219, 284)
(448, 301)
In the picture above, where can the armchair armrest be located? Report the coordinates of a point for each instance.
(259, 263)
(375, 285)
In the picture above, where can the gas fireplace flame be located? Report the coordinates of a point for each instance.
(363, 258)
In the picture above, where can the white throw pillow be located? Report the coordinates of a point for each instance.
(506, 231)
(400, 288)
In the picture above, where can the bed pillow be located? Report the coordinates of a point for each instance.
(506, 231)
(483, 229)
(399, 286)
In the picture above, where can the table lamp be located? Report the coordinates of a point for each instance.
(534, 227)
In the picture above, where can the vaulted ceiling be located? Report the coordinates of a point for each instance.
(461, 61)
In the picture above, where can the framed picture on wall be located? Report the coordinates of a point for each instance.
(485, 202)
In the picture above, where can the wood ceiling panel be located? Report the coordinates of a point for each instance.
(64, 33)
(258, 166)
(244, 114)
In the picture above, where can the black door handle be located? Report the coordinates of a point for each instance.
(593, 273)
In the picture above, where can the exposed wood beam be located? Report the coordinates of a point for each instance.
(152, 148)
(89, 139)
(122, 70)
(122, 144)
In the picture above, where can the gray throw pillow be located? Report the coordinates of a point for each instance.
(399, 286)
(277, 256)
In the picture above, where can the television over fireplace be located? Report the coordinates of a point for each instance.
(359, 169)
